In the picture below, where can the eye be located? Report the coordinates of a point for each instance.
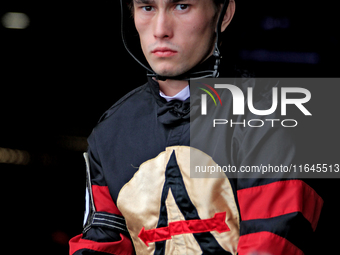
(147, 8)
(182, 7)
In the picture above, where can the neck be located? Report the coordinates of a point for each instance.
(172, 87)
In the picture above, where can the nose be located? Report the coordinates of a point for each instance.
(163, 26)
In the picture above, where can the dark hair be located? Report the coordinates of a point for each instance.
(218, 2)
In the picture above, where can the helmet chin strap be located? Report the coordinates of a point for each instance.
(191, 74)
(187, 76)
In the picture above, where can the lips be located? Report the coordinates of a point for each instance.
(164, 52)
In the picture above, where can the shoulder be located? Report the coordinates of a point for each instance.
(128, 98)
(245, 77)
(121, 114)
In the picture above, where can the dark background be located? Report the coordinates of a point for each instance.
(68, 66)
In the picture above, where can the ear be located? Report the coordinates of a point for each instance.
(228, 15)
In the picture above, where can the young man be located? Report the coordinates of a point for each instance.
(140, 197)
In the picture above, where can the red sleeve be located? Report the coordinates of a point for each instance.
(271, 212)
(107, 233)
(104, 230)
(122, 247)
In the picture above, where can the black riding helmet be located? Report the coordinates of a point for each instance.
(131, 42)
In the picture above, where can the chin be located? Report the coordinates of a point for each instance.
(170, 70)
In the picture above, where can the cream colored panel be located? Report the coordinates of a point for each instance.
(139, 201)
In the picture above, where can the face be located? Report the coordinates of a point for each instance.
(175, 35)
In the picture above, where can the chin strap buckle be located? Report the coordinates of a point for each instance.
(218, 57)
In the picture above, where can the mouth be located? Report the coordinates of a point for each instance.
(164, 52)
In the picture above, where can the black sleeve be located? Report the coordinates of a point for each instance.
(278, 214)
(104, 230)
